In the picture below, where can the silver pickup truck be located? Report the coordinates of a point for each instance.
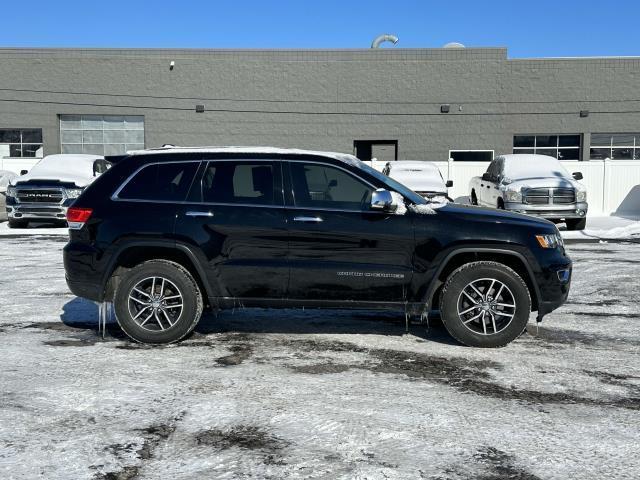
(533, 184)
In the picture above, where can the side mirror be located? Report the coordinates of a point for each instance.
(577, 175)
(486, 177)
(24, 172)
(100, 166)
(449, 183)
(382, 199)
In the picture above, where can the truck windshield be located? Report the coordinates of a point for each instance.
(393, 185)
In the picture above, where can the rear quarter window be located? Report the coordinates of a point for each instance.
(160, 181)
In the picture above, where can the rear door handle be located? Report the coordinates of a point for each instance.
(307, 219)
(199, 214)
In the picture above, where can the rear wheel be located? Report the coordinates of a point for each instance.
(576, 223)
(18, 223)
(485, 304)
(474, 198)
(157, 302)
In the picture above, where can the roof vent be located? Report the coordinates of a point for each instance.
(454, 45)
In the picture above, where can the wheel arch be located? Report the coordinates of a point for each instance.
(133, 253)
(461, 256)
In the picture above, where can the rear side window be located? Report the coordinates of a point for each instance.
(243, 182)
(161, 181)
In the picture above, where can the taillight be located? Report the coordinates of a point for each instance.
(77, 217)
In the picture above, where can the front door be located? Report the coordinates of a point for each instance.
(339, 248)
(235, 217)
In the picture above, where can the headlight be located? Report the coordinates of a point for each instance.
(511, 195)
(73, 192)
(581, 196)
(552, 240)
(11, 191)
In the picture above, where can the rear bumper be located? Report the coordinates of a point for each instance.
(80, 272)
(552, 212)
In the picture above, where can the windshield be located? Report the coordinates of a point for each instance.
(397, 186)
(538, 166)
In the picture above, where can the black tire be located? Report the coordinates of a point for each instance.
(576, 223)
(474, 334)
(500, 204)
(18, 223)
(179, 282)
(474, 198)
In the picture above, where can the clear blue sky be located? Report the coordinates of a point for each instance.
(537, 28)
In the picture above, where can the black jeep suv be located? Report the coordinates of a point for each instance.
(165, 232)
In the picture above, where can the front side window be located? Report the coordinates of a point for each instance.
(160, 182)
(20, 143)
(562, 147)
(241, 182)
(617, 146)
(101, 134)
(326, 187)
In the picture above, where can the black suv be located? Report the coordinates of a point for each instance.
(165, 232)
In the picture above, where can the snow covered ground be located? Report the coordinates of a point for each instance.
(605, 228)
(310, 394)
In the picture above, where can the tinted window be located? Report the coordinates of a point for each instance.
(239, 182)
(322, 186)
(164, 181)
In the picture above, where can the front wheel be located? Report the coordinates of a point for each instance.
(485, 304)
(18, 223)
(157, 302)
(576, 223)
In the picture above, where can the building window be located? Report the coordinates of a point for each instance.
(101, 134)
(20, 142)
(617, 146)
(562, 147)
(471, 155)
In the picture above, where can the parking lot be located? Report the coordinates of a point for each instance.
(311, 394)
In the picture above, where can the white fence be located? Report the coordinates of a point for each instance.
(613, 186)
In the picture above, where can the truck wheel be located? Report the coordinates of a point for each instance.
(18, 223)
(157, 302)
(474, 198)
(485, 304)
(576, 223)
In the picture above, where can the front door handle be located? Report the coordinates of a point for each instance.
(307, 219)
(199, 214)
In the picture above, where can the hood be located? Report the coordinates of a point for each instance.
(491, 215)
(73, 169)
(546, 182)
(420, 181)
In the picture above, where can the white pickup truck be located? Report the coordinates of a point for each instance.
(50, 187)
(533, 184)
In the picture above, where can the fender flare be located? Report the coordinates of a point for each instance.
(169, 244)
(432, 287)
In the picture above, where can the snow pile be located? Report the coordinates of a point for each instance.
(399, 199)
(533, 166)
(606, 228)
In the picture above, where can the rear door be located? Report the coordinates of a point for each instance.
(235, 216)
(339, 248)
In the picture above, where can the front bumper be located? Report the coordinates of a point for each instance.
(552, 212)
(37, 210)
(554, 283)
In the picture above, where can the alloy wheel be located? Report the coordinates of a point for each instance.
(486, 306)
(155, 304)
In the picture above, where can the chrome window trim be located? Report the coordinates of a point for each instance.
(114, 197)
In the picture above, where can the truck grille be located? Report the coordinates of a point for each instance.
(549, 196)
(39, 195)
